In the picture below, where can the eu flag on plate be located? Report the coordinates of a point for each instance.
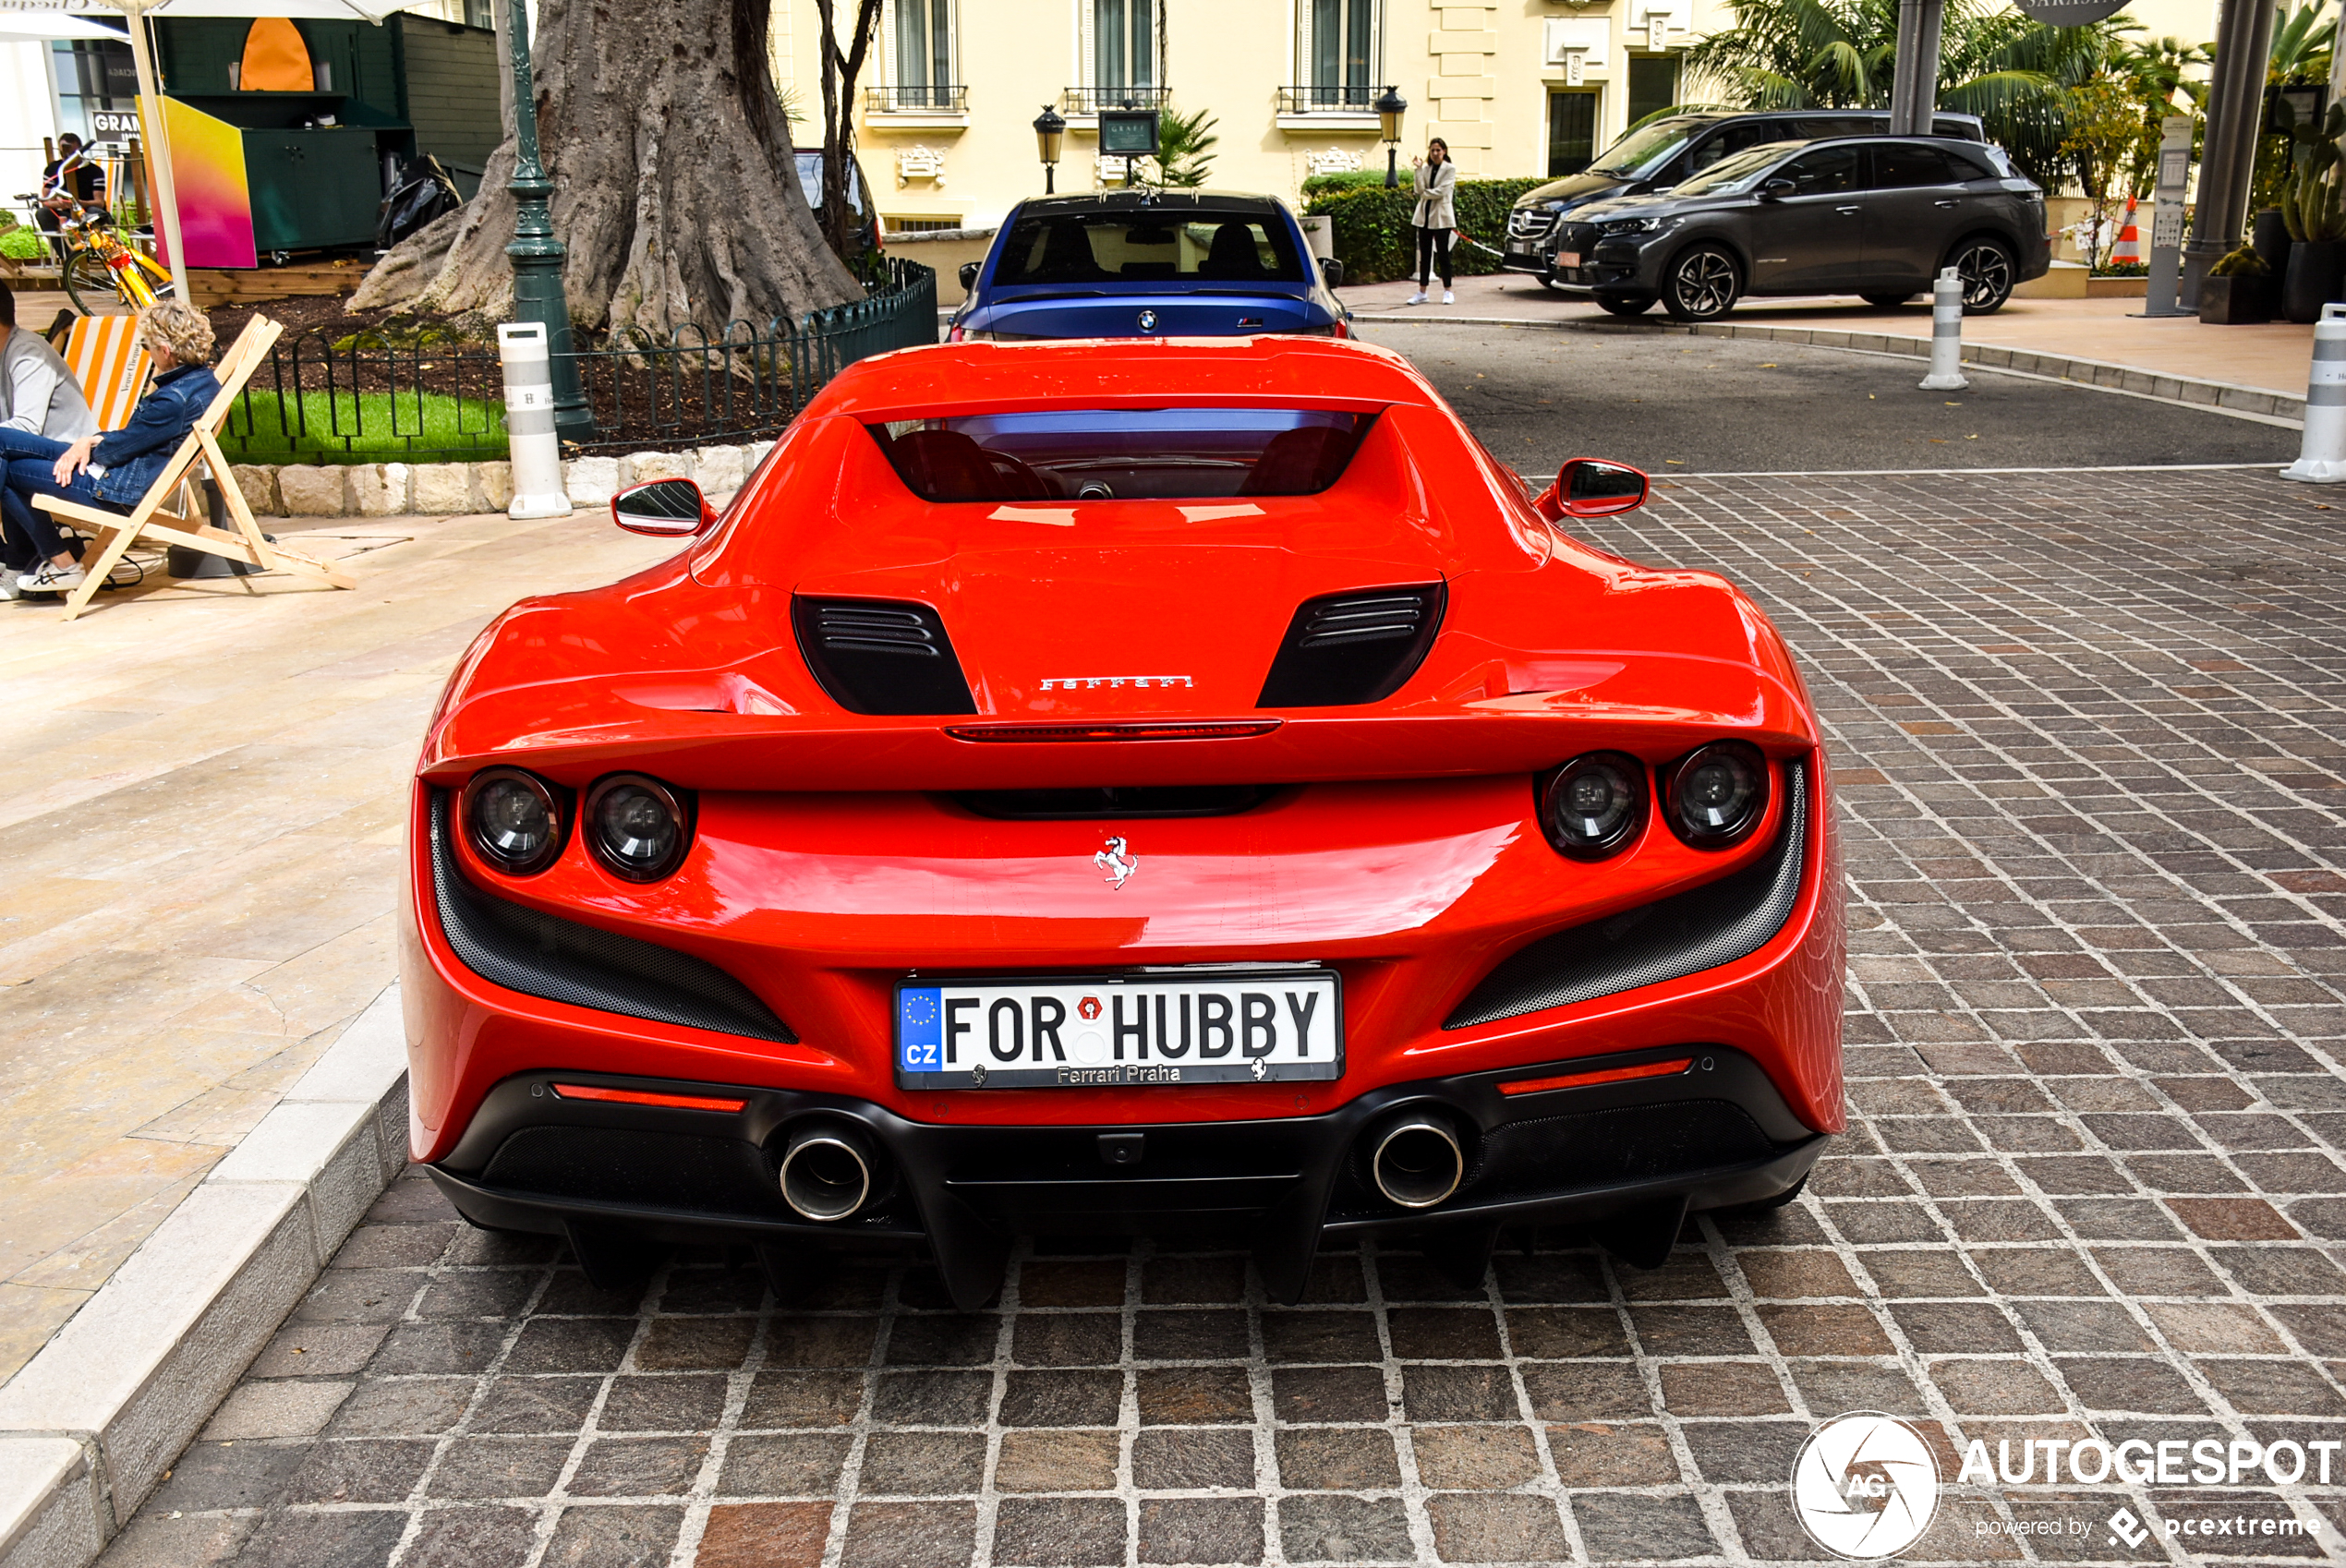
(919, 1030)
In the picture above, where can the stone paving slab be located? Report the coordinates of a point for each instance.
(201, 793)
(2089, 753)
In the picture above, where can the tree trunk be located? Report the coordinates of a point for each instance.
(675, 185)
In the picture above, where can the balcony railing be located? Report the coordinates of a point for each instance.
(917, 100)
(1347, 98)
(1091, 100)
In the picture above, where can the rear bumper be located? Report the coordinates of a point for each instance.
(1631, 1158)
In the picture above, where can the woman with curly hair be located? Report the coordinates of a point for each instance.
(113, 470)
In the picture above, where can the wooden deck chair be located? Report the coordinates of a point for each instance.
(102, 352)
(152, 521)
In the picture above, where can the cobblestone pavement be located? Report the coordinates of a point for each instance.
(2087, 732)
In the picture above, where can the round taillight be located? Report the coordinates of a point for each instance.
(1718, 794)
(1594, 805)
(515, 819)
(638, 826)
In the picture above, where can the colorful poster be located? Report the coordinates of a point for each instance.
(208, 177)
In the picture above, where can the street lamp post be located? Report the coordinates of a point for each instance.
(537, 254)
(1048, 128)
(1390, 108)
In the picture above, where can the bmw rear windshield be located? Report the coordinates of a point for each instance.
(1123, 454)
(1186, 250)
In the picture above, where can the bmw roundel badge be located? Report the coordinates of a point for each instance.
(1148, 320)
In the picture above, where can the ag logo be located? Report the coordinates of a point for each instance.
(1864, 1486)
(1089, 1008)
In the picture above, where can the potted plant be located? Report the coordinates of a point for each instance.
(2313, 205)
(2237, 291)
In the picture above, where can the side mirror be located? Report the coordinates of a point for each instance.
(1333, 271)
(1589, 487)
(969, 276)
(665, 509)
(1776, 190)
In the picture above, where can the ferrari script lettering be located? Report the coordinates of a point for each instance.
(1154, 1072)
(1117, 682)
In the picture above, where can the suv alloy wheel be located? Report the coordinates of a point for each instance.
(1701, 284)
(1987, 273)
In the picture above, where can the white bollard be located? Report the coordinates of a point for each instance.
(529, 421)
(2322, 459)
(1946, 334)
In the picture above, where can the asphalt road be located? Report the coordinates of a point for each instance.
(1722, 405)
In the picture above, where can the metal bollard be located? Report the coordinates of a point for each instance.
(1946, 334)
(2322, 459)
(529, 421)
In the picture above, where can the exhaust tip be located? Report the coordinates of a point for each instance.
(1417, 1163)
(827, 1174)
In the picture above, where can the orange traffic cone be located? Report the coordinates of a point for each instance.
(2129, 249)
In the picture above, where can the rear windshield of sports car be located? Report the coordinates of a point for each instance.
(1123, 454)
(1194, 247)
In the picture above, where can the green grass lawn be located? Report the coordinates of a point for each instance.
(365, 428)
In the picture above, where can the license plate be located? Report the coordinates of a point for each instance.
(1520, 247)
(1171, 1027)
(1568, 258)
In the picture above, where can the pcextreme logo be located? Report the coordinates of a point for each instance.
(1864, 1486)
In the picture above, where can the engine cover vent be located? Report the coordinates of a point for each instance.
(880, 655)
(1344, 649)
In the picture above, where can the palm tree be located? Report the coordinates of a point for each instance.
(2012, 73)
(1185, 145)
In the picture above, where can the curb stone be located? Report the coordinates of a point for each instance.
(89, 1426)
(440, 489)
(2230, 396)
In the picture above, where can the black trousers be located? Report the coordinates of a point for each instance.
(1433, 250)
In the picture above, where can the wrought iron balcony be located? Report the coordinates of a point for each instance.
(917, 100)
(1091, 100)
(1330, 99)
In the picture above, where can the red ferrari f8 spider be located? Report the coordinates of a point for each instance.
(1132, 786)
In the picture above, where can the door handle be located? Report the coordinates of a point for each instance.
(1947, 203)
(1847, 208)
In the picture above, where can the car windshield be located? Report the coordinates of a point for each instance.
(1730, 174)
(1644, 148)
(1123, 454)
(1125, 248)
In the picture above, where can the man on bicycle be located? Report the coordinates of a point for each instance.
(72, 176)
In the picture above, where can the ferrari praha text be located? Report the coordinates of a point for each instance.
(826, 888)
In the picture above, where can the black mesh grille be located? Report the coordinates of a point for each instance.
(562, 961)
(666, 1170)
(1598, 1148)
(1714, 924)
(881, 656)
(1343, 649)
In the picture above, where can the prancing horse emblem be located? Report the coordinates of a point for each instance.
(1116, 863)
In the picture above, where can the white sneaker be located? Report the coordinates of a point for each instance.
(50, 579)
(1449, 298)
(1418, 298)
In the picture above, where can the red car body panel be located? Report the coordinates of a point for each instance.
(830, 856)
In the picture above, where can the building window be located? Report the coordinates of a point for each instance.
(924, 44)
(1336, 53)
(1653, 84)
(1572, 132)
(480, 14)
(93, 75)
(1123, 44)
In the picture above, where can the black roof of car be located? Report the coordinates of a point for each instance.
(1145, 200)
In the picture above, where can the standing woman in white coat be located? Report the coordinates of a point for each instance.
(1434, 178)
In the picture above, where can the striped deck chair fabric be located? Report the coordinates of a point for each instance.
(102, 352)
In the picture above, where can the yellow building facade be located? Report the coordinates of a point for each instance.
(948, 96)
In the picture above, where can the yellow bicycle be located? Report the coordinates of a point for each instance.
(98, 263)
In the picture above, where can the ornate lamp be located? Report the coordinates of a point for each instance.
(1049, 127)
(1390, 108)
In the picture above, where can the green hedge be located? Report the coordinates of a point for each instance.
(1375, 243)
